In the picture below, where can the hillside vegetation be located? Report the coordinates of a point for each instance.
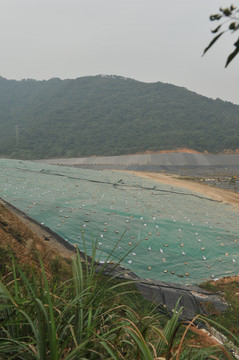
(109, 115)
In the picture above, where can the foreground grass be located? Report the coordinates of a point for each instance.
(230, 291)
(89, 316)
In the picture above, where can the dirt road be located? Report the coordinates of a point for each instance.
(225, 196)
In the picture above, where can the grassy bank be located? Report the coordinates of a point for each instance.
(229, 290)
(88, 316)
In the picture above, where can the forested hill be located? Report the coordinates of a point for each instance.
(109, 115)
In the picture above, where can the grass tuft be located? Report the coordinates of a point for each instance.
(88, 316)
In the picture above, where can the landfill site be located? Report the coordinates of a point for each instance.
(221, 171)
(178, 163)
(159, 231)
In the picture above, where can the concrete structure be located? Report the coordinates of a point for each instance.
(171, 162)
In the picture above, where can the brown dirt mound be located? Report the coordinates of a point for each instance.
(27, 240)
(179, 150)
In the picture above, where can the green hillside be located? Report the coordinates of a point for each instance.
(109, 115)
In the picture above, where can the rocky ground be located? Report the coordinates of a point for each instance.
(213, 177)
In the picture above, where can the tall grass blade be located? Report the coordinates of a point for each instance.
(54, 346)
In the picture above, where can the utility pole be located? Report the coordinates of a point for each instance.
(17, 135)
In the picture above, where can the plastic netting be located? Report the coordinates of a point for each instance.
(169, 234)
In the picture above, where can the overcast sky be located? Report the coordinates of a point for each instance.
(147, 40)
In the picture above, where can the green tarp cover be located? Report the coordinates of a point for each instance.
(169, 234)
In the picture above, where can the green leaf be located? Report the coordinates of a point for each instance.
(215, 17)
(213, 42)
(227, 12)
(233, 54)
(232, 26)
(216, 30)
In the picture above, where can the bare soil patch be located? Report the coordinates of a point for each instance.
(220, 195)
(27, 239)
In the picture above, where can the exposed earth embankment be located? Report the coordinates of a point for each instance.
(214, 193)
(162, 159)
(171, 162)
(220, 171)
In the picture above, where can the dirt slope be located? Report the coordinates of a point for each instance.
(27, 239)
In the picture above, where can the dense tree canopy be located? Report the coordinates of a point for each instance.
(109, 115)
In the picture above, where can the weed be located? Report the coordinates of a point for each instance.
(90, 316)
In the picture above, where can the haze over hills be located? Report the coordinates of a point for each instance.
(109, 115)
